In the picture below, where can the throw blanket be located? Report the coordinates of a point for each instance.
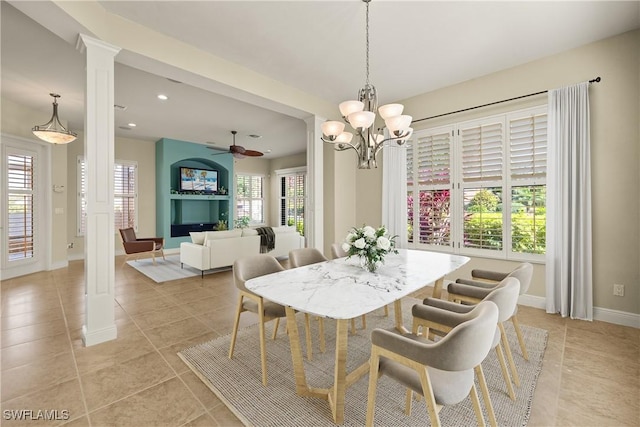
(267, 239)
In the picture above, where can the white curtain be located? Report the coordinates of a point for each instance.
(568, 268)
(394, 192)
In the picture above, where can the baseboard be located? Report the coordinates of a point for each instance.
(601, 314)
(59, 264)
(616, 317)
(171, 251)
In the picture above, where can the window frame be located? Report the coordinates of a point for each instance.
(81, 206)
(250, 199)
(457, 187)
(282, 198)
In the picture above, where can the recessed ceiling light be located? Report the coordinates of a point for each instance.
(255, 136)
(163, 97)
(132, 125)
(267, 151)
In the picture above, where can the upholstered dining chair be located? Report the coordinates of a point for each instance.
(299, 258)
(505, 297)
(442, 371)
(135, 246)
(489, 279)
(244, 269)
(337, 251)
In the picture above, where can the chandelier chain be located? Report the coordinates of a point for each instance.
(367, 22)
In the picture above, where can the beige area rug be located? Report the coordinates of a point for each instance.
(167, 269)
(237, 382)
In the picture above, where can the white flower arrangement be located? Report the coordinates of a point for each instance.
(370, 244)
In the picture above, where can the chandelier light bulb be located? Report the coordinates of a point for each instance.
(332, 128)
(362, 119)
(349, 107)
(345, 137)
(398, 123)
(390, 110)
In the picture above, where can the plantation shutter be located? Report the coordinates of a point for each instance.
(429, 187)
(434, 159)
(409, 146)
(124, 195)
(292, 200)
(243, 192)
(20, 203)
(528, 141)
(482, 158)
(250, 198)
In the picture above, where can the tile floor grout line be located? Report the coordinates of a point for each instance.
(73, 355)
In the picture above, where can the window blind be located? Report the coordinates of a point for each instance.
(482, 158)
(528, 141)
(125, 195)
(433, 159)
(20, 203)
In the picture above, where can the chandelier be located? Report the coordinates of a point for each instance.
(53, 131)
(361, 116)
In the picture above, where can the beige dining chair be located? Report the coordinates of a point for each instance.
(443, 371)
(337, 251)
(248, 268)
(489, 279)
(505, 297)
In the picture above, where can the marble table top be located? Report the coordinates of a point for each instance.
(341, 289)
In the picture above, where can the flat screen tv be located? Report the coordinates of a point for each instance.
(205, 180)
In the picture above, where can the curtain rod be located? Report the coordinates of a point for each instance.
(596, 80)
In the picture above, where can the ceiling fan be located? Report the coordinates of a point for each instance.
(238, 151)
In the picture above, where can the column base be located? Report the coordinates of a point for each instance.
(90, 338)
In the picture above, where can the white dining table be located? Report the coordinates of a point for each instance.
(341, 289)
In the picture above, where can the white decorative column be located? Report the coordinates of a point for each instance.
(99, 157)
(314, 218)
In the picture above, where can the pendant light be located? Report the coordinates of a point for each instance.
(53, 131)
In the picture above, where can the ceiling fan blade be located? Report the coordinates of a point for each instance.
(216, 148)
(253, 153)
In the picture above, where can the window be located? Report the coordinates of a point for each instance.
(292, 198)
(125, 195)
(20, 205)
(250, 198)
(479, 187)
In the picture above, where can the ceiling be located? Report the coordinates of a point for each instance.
(317, 47)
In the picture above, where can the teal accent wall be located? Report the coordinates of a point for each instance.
(174, 208)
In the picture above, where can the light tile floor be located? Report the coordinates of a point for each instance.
(591, 373)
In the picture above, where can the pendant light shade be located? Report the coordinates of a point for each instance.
(53, 131)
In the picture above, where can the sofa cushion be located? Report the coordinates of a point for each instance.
(284, 229)
(249, 232)
(197, 237)
(227, 234)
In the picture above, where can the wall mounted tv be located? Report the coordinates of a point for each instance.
(200, 180)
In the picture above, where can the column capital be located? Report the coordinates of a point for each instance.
(85, 41)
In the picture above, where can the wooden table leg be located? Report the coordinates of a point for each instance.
(437, 288)
(397, 310)
(296, 352)
(337, 396)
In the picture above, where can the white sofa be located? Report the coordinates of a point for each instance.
(215, 249)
